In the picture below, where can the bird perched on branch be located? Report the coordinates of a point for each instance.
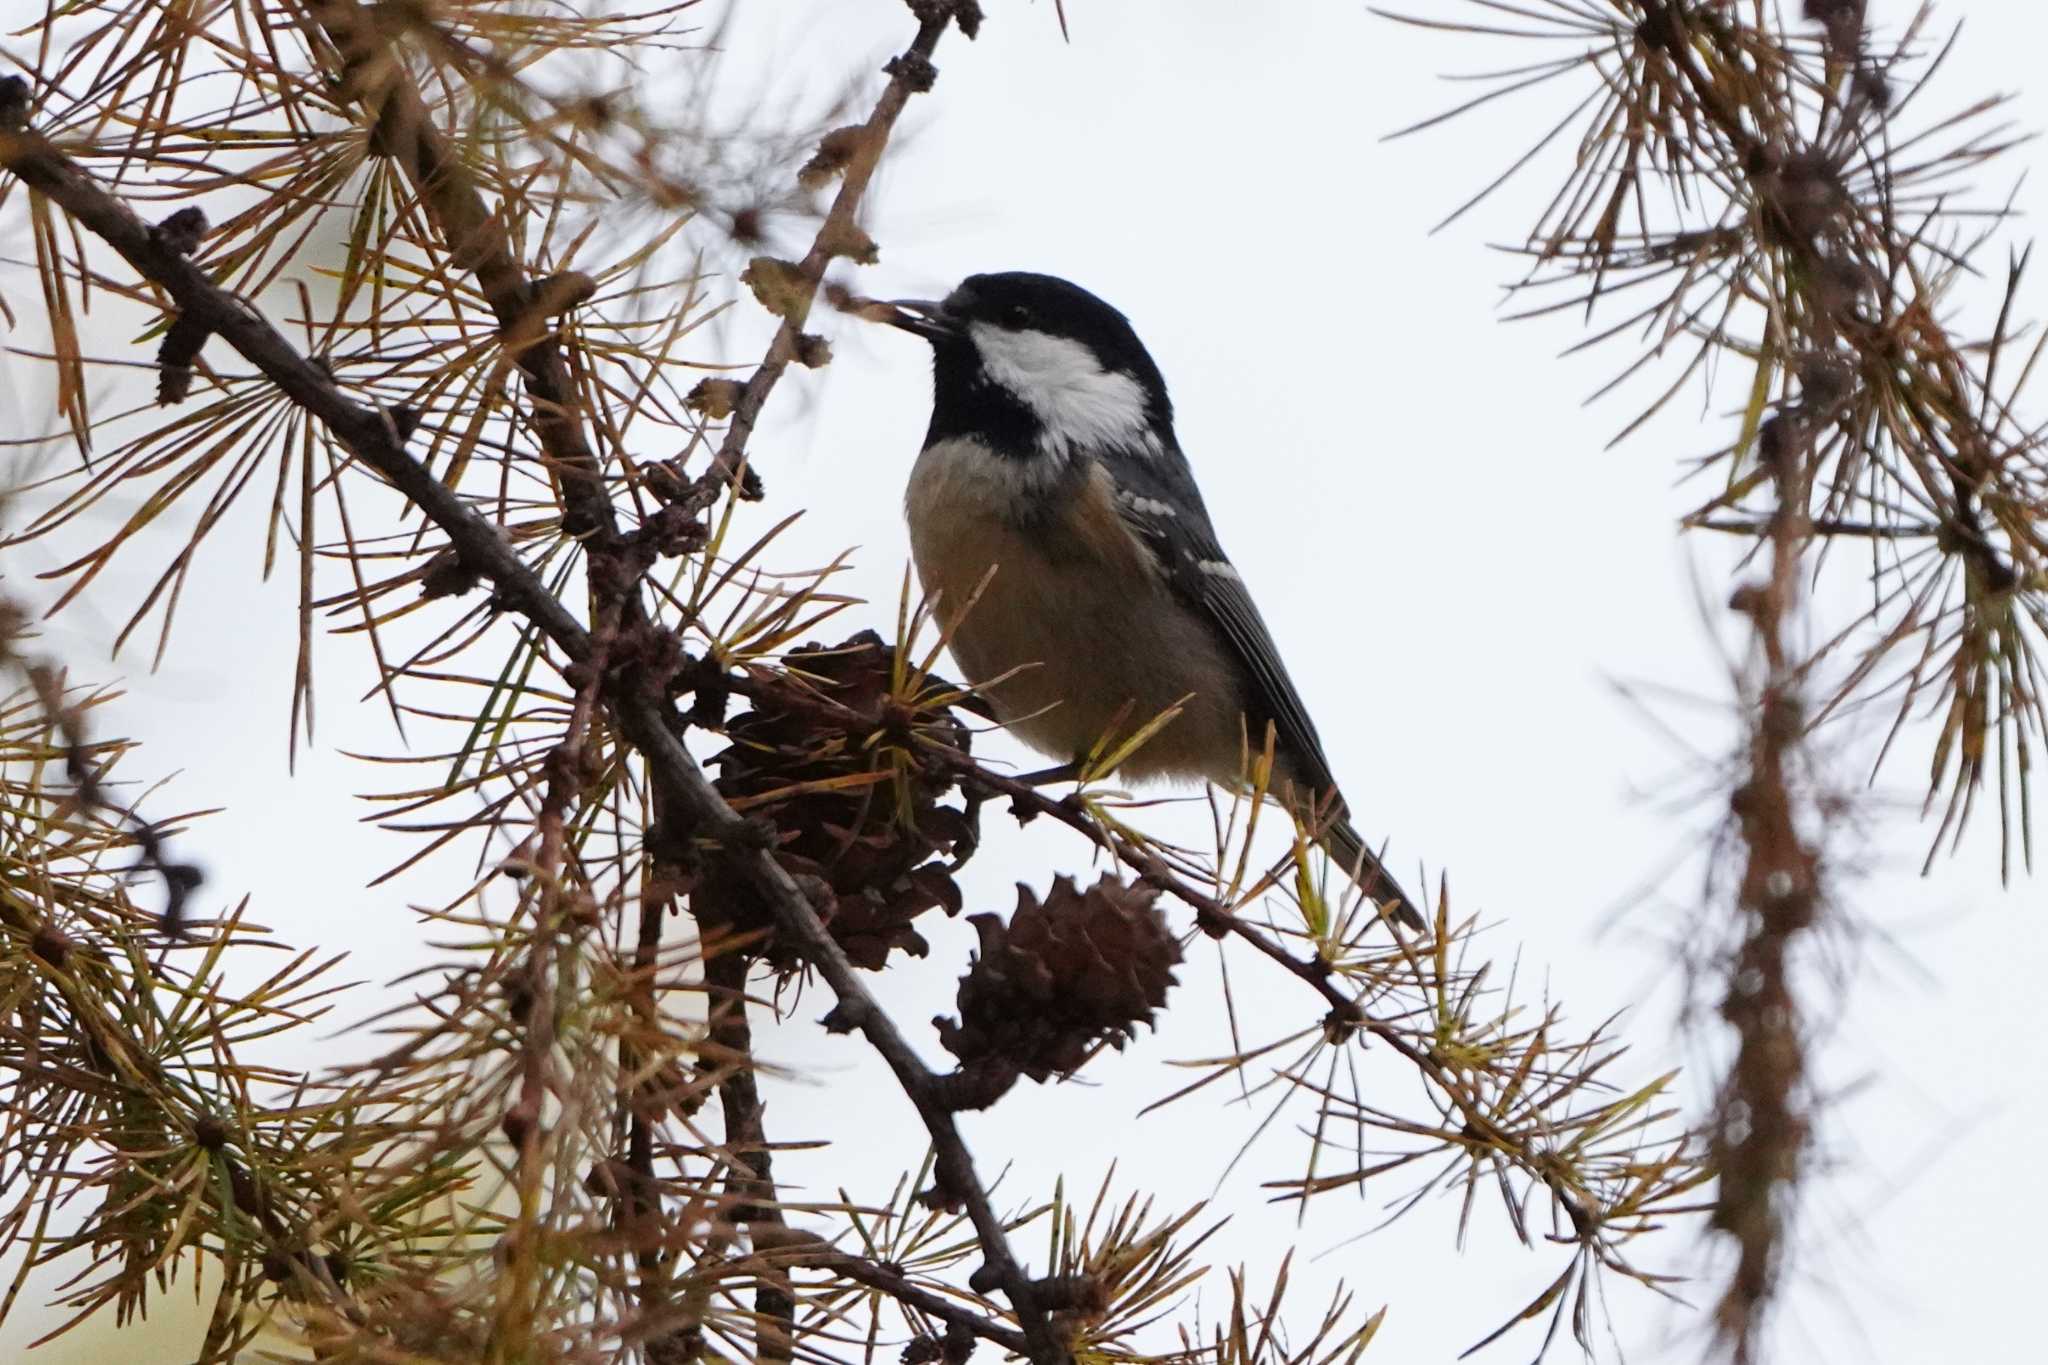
(1055, 520)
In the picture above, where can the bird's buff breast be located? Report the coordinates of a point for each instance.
(1073, 610)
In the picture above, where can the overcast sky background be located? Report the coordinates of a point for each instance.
(1458, 571)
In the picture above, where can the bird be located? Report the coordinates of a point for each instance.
(1058, 528)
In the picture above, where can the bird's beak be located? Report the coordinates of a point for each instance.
(922, 316)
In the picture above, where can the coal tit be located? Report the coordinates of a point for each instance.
(1051, 459)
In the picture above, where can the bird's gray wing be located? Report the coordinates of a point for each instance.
(1159, 502)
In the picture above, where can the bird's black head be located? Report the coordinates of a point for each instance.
(1031, 364)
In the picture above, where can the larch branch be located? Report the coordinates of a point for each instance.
(649, 722)
(909, 74)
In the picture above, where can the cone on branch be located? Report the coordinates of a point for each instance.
(1066, 974)
(858, 825)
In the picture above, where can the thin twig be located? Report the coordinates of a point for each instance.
(525, 1123)
(802, 1250)
(840, 233)
(641, 1205)
(752, 1180)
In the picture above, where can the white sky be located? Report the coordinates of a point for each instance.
(1388, 465)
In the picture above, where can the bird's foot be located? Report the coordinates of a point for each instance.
(1047, 777)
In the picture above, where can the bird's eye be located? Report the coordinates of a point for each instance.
(1017, 315)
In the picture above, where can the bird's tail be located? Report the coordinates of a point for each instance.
(1370, 875)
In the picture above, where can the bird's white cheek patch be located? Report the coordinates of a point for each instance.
(1078, 402)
